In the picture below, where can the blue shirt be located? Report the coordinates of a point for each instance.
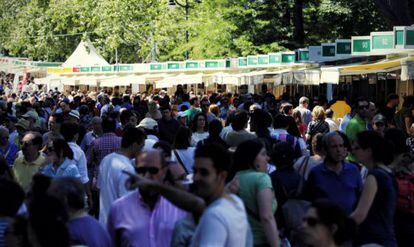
(9, 153)
(343, 189)
(89, 232)
(66, 169)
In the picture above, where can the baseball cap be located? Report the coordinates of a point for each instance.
(379, 119)
(23, 123)
(74, 113)
(31, 114)
(148, 123)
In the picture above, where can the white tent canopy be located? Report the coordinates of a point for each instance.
(85, 55)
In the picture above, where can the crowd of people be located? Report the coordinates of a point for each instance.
(113, 169)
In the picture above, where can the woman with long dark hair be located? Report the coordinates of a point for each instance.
(377, 204)
(200, 128)
(256, 191)
(183, 151)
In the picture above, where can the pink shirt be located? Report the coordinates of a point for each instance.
(132, 223)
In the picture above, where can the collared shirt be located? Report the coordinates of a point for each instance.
(344, 188)
(87, 140)
(79, 159)
(24, 170)
(9, 153)
(111, 181)
(355, 126)
(102, 146)
(136, 224)
(66, 169)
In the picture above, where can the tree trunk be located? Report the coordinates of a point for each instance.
(298, 33)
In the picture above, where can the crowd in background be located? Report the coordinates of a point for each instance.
(152, 169)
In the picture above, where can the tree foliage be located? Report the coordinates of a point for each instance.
(139, 31)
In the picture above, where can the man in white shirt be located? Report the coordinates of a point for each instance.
(224, 221)
(333, 126)
(111, 179)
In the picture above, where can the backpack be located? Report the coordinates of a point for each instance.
(405, 200)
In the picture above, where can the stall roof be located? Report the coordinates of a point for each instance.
(85, 55)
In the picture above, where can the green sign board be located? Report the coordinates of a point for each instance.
(409, 38)
(46, 64)
(288, 58)
(399, 37)
(155, 66)
(303, 55)
(173, 65)
(361, 45)
(106, 68)
(242, 62)
(211, 64)
(263, 60)
(382, 42)
(123, 68)
(95, 69)
(191, 65)
(85, 69)
(343, 48)
(328, 51)
(274, 58)
(252, 60)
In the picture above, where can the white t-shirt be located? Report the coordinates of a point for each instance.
(79, 159)
(196, 137)
(111, 181)
(332, 125)
(187, 157)
(224, 223)
(150, 142)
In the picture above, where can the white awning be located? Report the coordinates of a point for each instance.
(307, 77)
(182, 79)
(112, 81)
(330, 75)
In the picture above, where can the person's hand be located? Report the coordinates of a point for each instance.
(137, 181)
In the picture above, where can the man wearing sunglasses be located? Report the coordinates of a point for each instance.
(144, 217)
(30, 160)
(111, 179)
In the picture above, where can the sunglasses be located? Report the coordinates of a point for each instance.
(311, 221)
(363, 106)
(143, 170)
(379, 124)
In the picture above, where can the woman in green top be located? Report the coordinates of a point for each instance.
(256, 191)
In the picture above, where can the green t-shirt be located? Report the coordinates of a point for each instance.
(250, 182)
(355, 126)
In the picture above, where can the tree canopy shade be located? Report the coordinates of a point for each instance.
(139, 31)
